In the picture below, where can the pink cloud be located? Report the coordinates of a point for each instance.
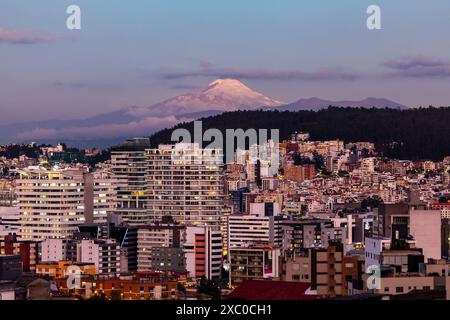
(13, 36)
(418, 67)
(145, 126)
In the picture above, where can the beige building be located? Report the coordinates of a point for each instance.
(425, 227)
(295, 269)
(403, 283)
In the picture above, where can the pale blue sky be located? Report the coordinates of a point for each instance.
(141, 52)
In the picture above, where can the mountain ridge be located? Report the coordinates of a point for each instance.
(221, 95)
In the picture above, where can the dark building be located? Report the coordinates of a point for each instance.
(237, 199)
(167, 259)
(10, 267)
(392, 220)
(301, 234)
(445, 238)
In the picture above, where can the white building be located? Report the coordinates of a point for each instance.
(53, 250)
(245, 229)
(105, 254)
(104, 195)
(53, 202)
(374, 246)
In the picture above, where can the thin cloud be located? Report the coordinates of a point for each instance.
(79, 85)
(418, 67)
(13, 36)
(207, 70)
(185, 87)
(145, 126)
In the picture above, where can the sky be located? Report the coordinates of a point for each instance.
(140, 52)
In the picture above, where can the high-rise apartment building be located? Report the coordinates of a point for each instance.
(129, 168)
(184, 181)
(102, 194)
(53, 202)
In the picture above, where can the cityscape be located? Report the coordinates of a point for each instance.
(175, 222)
(219, 158)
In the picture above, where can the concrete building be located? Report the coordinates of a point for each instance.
(253, 262)
(245, 229)
(401, 283)
(332, 271)
(104, 254)
(297, 268)
(160, 246)
(203, 251)
(300, 172)
(401, 254)
(9, 221)
(392, 220)
(101, 194)
(185, 182)
(58, 250)
(124, 235)
(309, 233)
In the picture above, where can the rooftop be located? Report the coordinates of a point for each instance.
(272, 290)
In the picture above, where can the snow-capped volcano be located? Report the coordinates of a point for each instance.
(221, 94)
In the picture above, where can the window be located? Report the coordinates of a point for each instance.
(399, 289)
(386, 289)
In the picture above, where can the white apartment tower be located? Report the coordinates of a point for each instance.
(184, 181)
(53, 202)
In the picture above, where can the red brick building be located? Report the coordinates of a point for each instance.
(28, 250)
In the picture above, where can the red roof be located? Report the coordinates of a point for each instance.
(272, 290)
